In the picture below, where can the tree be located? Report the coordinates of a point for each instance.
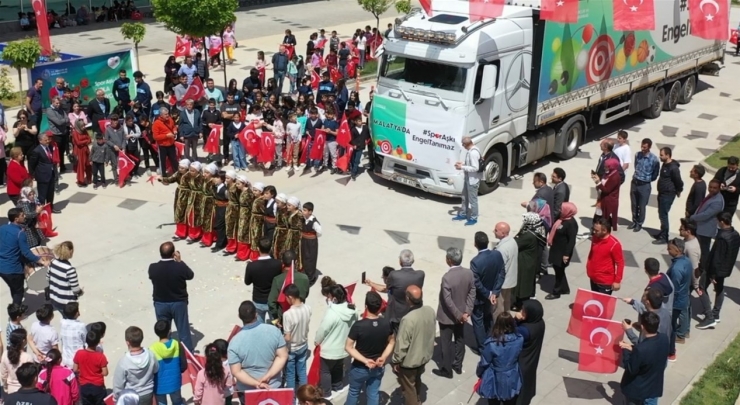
(196, 18)
(22, 54)
(403, 6)
(376, 8)
(135, 32)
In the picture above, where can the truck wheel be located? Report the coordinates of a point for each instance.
(689, 87)
(671, 99)
(656, 108)
(494, 167)
(573, 132)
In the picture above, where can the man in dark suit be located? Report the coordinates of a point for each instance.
(43, 170)
(98, 109)
(456, 297)
(170, 291)
(489, 272)
(645, 363)
(259, 274)
(560, 190)
(397, 283)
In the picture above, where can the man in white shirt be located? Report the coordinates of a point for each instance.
(361, 46)
(73, 333)
(470, 167)
(510, 252)
(622, 150)
(295, 330)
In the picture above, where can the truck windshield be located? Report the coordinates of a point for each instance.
(423, 73)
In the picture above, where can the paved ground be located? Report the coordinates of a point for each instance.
(117, 231)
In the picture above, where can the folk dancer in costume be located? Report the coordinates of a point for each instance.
(257, 221)
(270, 212)
(246, 198)
(281, 225)
(295, 227)
(232, 213)
(195, 202)
(182, 194)
(208, 206)
(310, 243)
(221, 201)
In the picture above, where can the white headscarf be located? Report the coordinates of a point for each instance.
(25, 193)
(197, 166)
(184, 163)
(231, 174)
(242, 178)
(294, 201)
(212, 168)
(282, 197)
(259, 186)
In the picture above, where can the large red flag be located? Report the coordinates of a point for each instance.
(182, 47)
(593, 304)
(344, 135)
(194, 366)
(289, 50)
(334, 74)
(483, 9)
(282, 299)
(42, 23)
(427, 6)
(343, 161)
(211, 145)
(562, 11)
(315, 80)
(194, 92)
(303, 157)
(267, 148)
(103, 124)
(321, 44)
(632, 15)
(43, 220)
(250, 140)
(314, 372)
(125, 166)
(319, 141)
(710, 19)
(599, 351)
(279, 396)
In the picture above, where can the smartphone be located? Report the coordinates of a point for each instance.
(593, 172)
(364, 273)
(628, 322)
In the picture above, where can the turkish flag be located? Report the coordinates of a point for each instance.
(43, 219)
(344, 136)
(125, 166)
(282, 299)
(194, 366)
(42, 23)
(344, 160)
(334, 74)
(303, 152)
(289, 50)
(103, 124)
(250, 140)
(211, 145)
(261, 74)
(350, 289)
(592, 304)
(267, 148)
(562, 11)
(599, 351)
(194, 92)
(279, 396)
(182, 47)
(315, 80)
(236, 329)
(427, 6)
(480, 10)
(710, 19)
(351, 68)
(733, 37)
(215, 46)
(314, 372)
(319, 141)
(632, 15)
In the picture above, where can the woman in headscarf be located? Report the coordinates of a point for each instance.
(530, 318)
(540, 206)
(608, 188)
(81, 149)
(562, 241)
(27, 203)
(530, 240)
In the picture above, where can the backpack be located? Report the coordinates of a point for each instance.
(481, 161)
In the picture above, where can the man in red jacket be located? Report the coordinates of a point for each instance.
(605, 264)
(164, 132)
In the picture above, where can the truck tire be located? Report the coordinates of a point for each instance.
(687, 90)
(656, 107)
(672, 96)
(494, 167)
(574, 134)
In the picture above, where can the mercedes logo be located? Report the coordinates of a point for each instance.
(518, 68)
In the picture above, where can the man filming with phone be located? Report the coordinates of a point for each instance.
(473, 172)
(170, 292)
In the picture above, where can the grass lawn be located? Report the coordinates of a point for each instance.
(14, 101)
(719, 159)
(719, 383)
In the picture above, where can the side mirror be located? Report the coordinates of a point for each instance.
(488, 83)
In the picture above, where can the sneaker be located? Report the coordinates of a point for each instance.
(672, 358)
(706, 324)
(471, 222)
(105, 185)
(95, 187)
(681, 340)
(460, 218)
(330, 397)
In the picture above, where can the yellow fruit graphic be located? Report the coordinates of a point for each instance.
(633, 59)
(556, 44)
(620, 61)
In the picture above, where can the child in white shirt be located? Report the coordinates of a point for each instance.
(293, 141)
(44, 335)
(278, 132)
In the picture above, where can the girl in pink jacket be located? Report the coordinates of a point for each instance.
(59, 381)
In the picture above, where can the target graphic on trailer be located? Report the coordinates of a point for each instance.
(386, 147)
(600, 60)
